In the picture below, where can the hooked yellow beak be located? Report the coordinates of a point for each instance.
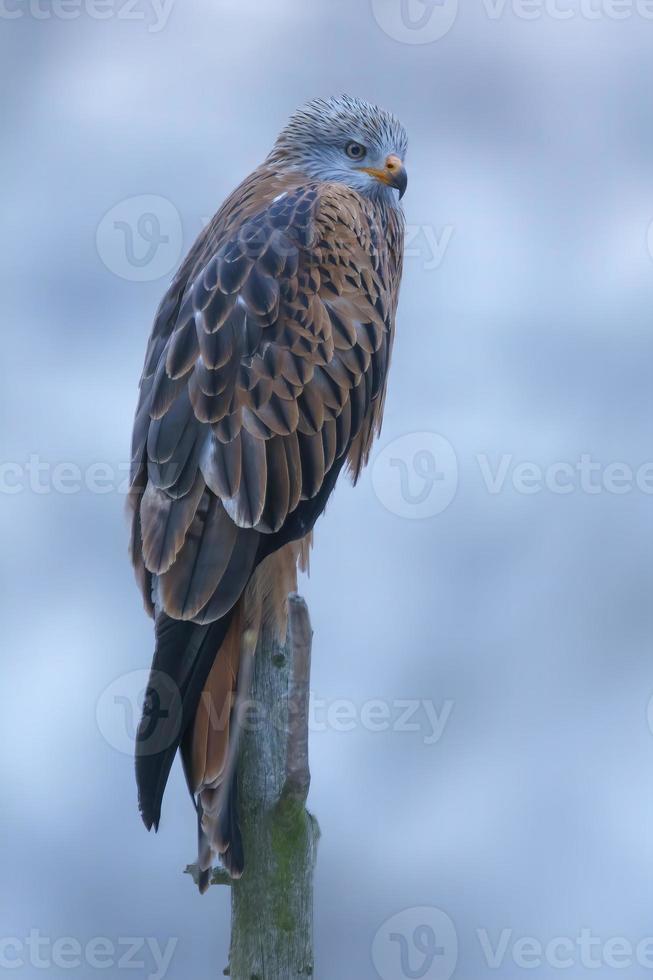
(393, 174)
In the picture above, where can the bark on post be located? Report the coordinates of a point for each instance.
(272, 904)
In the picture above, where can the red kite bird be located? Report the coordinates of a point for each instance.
(265, 374)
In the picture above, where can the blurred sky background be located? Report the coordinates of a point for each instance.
(525, 617)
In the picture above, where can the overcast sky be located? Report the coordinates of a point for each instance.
(489, 580)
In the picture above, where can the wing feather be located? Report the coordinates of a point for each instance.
(189, 584)
(164, 523)
(266, 367)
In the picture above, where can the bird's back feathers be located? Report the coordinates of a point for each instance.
(265, 374)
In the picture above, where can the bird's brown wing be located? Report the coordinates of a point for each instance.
(265, 374)
(266, 369)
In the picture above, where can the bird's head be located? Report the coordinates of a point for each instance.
(346, 140)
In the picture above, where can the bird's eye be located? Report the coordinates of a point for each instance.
(355, 151)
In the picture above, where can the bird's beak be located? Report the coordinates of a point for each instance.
(393, 174)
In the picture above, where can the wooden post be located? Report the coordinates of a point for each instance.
(272, 904)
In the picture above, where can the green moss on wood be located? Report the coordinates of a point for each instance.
(289, 832)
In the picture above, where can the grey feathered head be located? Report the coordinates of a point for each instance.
(347, 140)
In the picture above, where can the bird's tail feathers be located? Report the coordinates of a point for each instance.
(197, 698)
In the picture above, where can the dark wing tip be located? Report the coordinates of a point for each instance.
(183, 657)
(149, 811)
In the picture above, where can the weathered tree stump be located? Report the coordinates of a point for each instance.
(272, 904)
